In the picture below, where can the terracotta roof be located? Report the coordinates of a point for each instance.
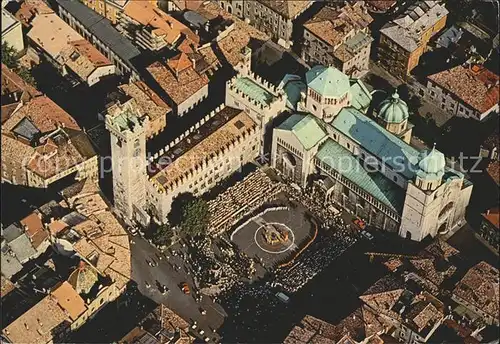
(288, 9)
(161, 23)
(192, 5)
(179, 63)
(83, 58)
(35, 229)
(476, 86)
(493, 216)
(333, 24)
(243, 35)
(149, 102)
(69, 300)
(29, 9)
(382, 5)
(6, 286)
(35, 325)
(44, 114)
(52, 34)
(480, 287)
(56, 227)
(493, 170)
(233, 129)
(12, 83)
(178, 87)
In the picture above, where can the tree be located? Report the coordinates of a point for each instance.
(163, 235)
(9, 59)
(195, 217)
(9, 56)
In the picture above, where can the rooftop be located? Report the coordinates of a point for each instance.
(29, 9)
(83, 58)
(101, 28)
(378, 141)
(305, 128)
(158, 21)
(52, 34)
(328, 81)
(376, 184)
(480, 288)
(178, 87)
(222, 130)
(332, 24)
(408, 29)
(288, 9)
(98, 236)
(254, 91)
(149, 102)
(69, 300)
(476, 86)
(230, 47)
(493, 216)
(35, 326)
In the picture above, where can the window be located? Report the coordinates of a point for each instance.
(345, 191)
(348, 146)
(315, 108)
(395, 178)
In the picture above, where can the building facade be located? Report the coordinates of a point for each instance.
(69, 52)
(465, 91)
(275, 18)
(12, 32)
(365, 166)
(262, 101)
(339, 37)
(405, 39)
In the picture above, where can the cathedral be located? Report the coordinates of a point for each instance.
(363, 163)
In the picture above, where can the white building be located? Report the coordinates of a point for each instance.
(75, 57)
(12, 32)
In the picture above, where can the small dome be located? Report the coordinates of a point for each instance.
(432, 164)
(328, 81)
(83, 278)
(393, 109)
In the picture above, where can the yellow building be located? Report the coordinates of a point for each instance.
(404, 40)
(111, 9)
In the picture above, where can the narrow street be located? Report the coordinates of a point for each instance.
(166, 274)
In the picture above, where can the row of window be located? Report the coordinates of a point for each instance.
(289, 147)
(357, 190)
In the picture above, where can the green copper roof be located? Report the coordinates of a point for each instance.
(305, 128)
(393, 151)
(293, 86)
(374, 183)
(393, 109)
(360, 96)
(254, 91)
(328, 81)
(431, 165)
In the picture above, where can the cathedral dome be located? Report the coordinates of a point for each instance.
(83, 278)
(432, 164)
(393, 109)
(328, 81)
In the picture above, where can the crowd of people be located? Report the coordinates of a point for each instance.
(321, 253)
(231, 205)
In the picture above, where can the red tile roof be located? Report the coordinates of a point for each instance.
(476, 86)
(493, 216)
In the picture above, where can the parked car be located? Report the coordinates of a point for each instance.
(367, 235)
(185, 288)
(203, 312)
(163, 289)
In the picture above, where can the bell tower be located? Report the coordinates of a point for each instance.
(128, 154)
